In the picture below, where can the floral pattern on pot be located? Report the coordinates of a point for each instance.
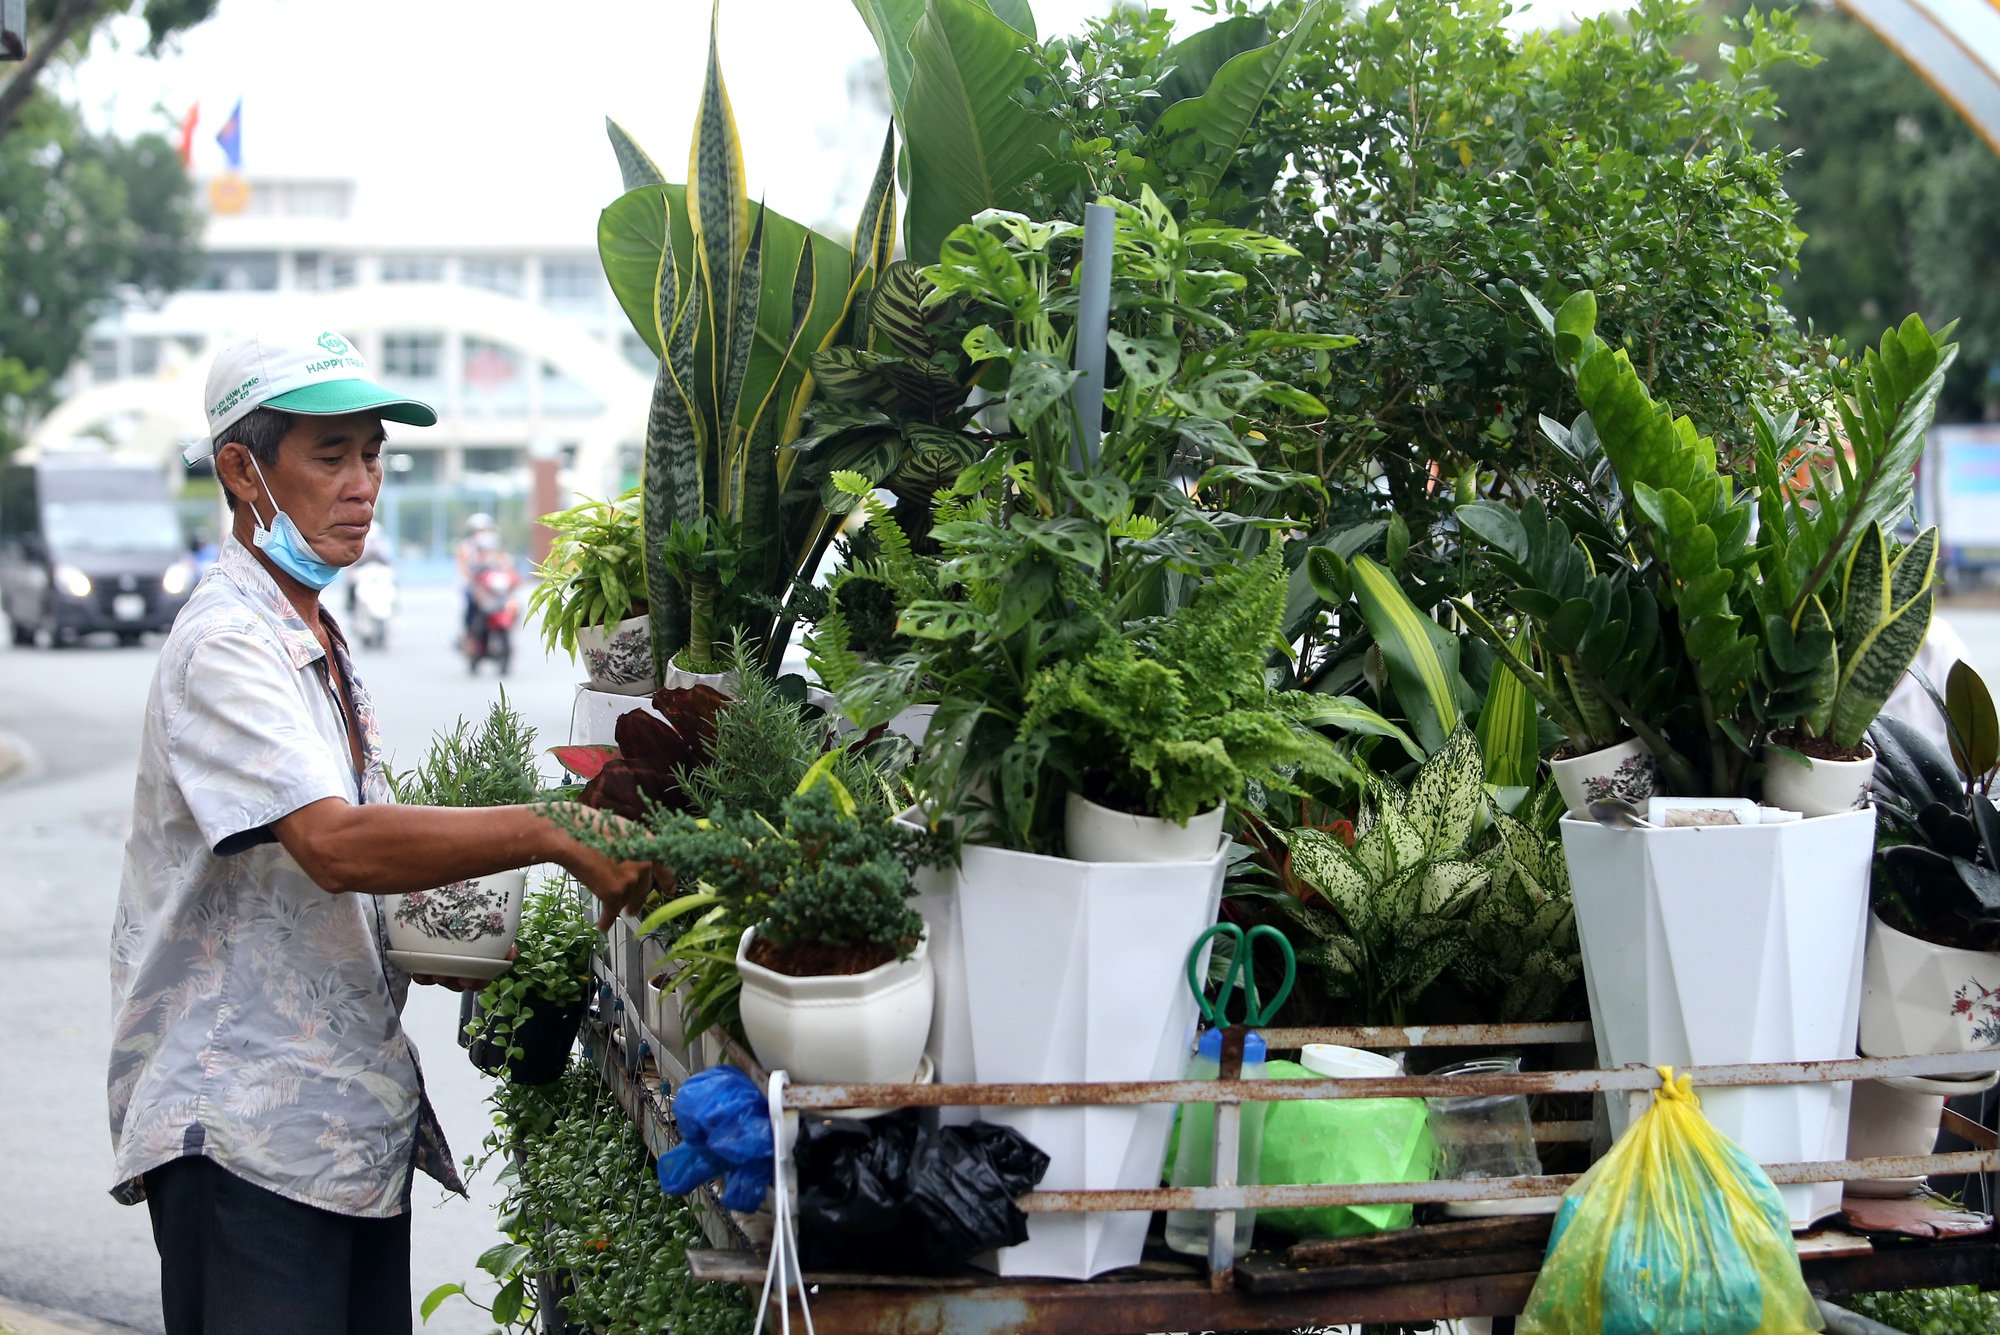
(461, 911)
(1635, 780)
(1979, 1006)
(626, 655)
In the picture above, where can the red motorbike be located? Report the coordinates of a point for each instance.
(496, 608)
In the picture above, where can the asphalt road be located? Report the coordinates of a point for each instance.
(64, 1244)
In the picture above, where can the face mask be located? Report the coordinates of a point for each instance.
(286, 546)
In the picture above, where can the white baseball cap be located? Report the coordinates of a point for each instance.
(315, 373)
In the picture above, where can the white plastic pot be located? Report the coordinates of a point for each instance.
(619, 659)
(1075, 971)
(841, 1028)
(1918, 998)
(1626, 772)
(593, 717)
(1094, 833)
(1731, 943)
(1899, 1116)
(461, 930)
(1822, 788)
(680, 679)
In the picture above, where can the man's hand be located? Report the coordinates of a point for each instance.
(620, 887)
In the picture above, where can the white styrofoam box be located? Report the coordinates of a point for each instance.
(1077, 971)
(1731, 943)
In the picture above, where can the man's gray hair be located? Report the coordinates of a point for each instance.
(259, 431)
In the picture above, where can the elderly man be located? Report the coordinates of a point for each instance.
(265, 1101)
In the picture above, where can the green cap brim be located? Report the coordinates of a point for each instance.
(332, 398)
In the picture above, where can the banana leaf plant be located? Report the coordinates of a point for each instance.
(963, 77)
(734, 302)
(1749, 639)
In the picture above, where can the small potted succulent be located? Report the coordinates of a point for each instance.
(591, 601)
(466, 929)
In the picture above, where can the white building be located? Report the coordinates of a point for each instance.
(514, 337)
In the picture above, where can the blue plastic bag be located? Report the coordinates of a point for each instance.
(725, 1125)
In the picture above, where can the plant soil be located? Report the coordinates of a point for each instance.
(1951, 932)
(1821, 748)
(818, 960)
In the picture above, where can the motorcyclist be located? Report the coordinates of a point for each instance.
(470, 563)
(374, 551)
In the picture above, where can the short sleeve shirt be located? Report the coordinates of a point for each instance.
(257, 1016)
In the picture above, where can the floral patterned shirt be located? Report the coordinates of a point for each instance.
(257, 1016)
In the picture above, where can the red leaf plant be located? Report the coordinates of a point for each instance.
(653, 751)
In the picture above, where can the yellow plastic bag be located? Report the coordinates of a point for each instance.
(1674, 1232)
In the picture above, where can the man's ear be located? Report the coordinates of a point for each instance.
(232, 469)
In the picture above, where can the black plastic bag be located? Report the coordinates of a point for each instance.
(893, 1194)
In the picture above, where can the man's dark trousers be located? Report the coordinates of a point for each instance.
(236, 1259)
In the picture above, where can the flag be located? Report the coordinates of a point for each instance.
(187, 134)
(230, 136)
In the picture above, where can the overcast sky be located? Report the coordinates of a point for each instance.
(464, 107)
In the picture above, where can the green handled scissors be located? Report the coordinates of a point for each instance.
(1216, 1012)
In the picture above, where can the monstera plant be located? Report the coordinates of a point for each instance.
(734, 302)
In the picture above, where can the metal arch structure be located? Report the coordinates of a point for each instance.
(167, 406)
(1953, 44)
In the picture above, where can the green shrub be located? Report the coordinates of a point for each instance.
(1960, 1311)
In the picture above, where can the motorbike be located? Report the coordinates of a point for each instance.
(496, 609)
(371, 601)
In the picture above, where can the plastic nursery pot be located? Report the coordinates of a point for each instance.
(1486, 1136)
(461, 930)
(1918, 998)
(1819, 788)
(1719, 944)
(1897, 1117)
(839, 1028)
(618, 659)
(1626, 772)
(545, 1038)
(1095, 833)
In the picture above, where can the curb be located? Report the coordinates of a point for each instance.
(27, 1319)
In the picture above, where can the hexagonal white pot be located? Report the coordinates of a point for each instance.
(838, 1028)
(1822, 788)
(1626, 771)
(619, 659)
(1072, 971)
(1918, 998)
(1731, 943)
(461, 930)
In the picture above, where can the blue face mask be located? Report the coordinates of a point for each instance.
(286, 546)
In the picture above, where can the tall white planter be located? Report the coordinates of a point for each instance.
(1731, 943)
(1076, 971)
(461, 930)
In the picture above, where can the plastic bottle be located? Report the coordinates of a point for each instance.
(1194, 1156)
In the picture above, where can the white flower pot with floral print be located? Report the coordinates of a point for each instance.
(619, 659)
(1626, 772)
(1818, 787)
(1722, 944)
(461, 930)
(1918, 999)
(680, 679)
(1899, 1117)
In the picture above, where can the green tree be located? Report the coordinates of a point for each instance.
(82, 217)
(61, 29)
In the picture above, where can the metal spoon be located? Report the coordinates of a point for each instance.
(1618, 815)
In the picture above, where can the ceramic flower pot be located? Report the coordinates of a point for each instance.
(1073, 971)
(461, 930)
(1731, 943)
(618, 659)
(1626, 771)
(835, 1029)
(1821, 788)
(1094, 833)
(680, 679)
(1918, 998)
(1899, 1116)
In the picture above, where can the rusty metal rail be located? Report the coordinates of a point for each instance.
(1630, 1078)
